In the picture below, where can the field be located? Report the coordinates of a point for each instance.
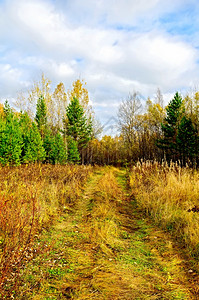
(82, 232)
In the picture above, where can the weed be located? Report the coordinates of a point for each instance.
(169, 194)
(31, 200)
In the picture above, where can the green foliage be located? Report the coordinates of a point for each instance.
(180, 136)
(170, 126)
(48, 146)
(186, 139)
(76, 125)
(11, 140)
(41, 115)
(73, 153)
(59, 150)
(7, 110)
(33, 149)
(55, 148)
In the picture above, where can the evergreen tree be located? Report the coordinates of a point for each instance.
(41, 115)
(49, 146)
(170, 127)
(11, 140)
(77, 126)
(186, 140)
(55, 148)
(59, 150)
(73, 153)
(32, 149)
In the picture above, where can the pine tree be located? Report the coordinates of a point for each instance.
(59, 150)
(41, 115)
(187, 140)
(32, 149)
(55, 148)
(73, 153)
(76, 125)
(11, 140)
(170, 127)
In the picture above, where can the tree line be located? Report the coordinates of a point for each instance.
(60, 127)
(153, 132)
(27, 138)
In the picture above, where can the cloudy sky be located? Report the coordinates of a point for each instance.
(117, 46)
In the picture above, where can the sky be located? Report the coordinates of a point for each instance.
(117, 46)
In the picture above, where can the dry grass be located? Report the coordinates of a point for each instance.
(99, 246)
(31, 198)
(171, 196)
(103, 227)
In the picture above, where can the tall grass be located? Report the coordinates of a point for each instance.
(170, 194)
(103, 227)
(31, 198)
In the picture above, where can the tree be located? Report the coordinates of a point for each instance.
(129, 123)
(41, 115)
(49, 147)
(59, 150)
(79, 92)
(187, 140)
(73, 153)
(55, 147)
(170, 126)
(32, 149)
(11, 140)
(77, 126)
(60, 99)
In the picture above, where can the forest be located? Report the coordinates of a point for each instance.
(60, 127)
(87, 216)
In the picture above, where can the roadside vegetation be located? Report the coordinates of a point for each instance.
(31, 200)
(90, 239)
(170, 195)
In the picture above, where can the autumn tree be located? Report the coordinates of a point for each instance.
(60, 99)
(80, 92)
(129, 122)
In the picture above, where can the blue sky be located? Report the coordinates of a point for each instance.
(116, 46)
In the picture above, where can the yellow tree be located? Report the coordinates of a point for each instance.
(43, 88)
(60, 100)
(155, 116)
(80, 92)
(1, 110)
(28, 103)
(56, 102)
(192, 108)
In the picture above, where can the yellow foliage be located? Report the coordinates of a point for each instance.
(1, 110)
(80, 92)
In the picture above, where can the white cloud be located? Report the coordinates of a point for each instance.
(10, 80)
(71, 39)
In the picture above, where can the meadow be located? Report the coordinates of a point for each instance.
(31, 199)
(170, 195)
(82, 232)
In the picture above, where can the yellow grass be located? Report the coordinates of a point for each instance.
(171, 196)
(31, 198)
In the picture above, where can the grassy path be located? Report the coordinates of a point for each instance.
(105, 249)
